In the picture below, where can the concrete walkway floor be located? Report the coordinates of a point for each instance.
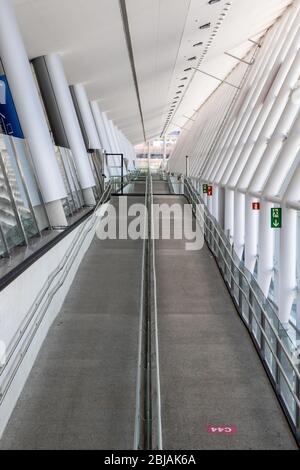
(81, 393)
(210, 372)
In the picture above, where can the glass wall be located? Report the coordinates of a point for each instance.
(74, 200)
(22, 212)
(295, 315)
(274, 288)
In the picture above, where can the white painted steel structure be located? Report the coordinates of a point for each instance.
(245, 143)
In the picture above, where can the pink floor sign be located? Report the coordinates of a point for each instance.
(222, 429)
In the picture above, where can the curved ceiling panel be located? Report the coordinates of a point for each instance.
(168, 38)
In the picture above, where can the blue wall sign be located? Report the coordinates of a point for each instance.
(9, 121)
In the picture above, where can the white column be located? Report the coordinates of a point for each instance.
(114, 137)
(273, 105)
(251, 232)
(210, 203)
(122, 147)
(270, 115)
(109, 133)
(105, 145)
(112, 161)
(288, 248)
(31, 115)
(215, 202)
(87, 117)
(165, 152)
(288, 259)
(238, 154)
(274, 184)
(265, 247)
(243, 107)
(120, 140)
(277, 142)
(239, 223)
(71, 125)
(279, 110)
(229, 216)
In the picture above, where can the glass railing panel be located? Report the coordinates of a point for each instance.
(290, 348)
(3, 251)
(287, 397)
(11, 229)
(222, 258)
(12, 158)
(30, 182)
(269, 355)
(244, 307)
(256, 319)
(215, 247)
(69, 203)
(236, 278)
(177, 185)
(275, 344)
(22, 206)
(73, 179)
(67, 207)
(228, 268)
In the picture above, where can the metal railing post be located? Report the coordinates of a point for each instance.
(257, 312)
(250, 309)
(298, 408)
(232, 270)
(241, 292)
(262, 338)
(277, 373)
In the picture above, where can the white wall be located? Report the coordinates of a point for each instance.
(16, 301)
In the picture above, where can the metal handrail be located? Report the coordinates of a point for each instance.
(240, 271)
(138, 414)
(194, 196)
(148, 427)
(46, 296)
(155, 323)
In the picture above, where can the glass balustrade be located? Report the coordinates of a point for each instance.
(21, 207)
(11, 230)
(276, 345)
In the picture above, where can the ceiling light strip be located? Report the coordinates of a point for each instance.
(221, 18)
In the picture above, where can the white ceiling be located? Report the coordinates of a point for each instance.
(90, 37)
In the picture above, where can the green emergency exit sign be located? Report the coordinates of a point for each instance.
(276, 218)
(205, 188)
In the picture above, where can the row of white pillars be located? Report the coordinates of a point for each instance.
(101, 132)
(256, 159)
(71, 125)
(112, 139)
(87, 117)
(262, 131)
(30, 112)
(240, 152)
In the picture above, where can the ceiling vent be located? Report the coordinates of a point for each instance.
(205, 26)
(192, 58)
